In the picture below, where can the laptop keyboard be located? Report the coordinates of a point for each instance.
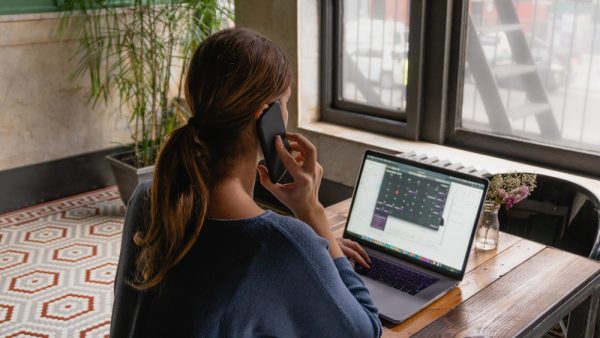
(396, 276)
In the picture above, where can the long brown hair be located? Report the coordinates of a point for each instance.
(231, 75)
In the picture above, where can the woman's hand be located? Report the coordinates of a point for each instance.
(354, 251)
(301, 196)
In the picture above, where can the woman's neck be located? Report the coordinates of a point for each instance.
(232, 198)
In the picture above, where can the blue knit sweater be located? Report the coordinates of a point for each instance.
(267, 276)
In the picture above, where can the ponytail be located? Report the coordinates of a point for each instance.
(230, 76)
(179, 200)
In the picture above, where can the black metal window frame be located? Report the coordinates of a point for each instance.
(437, 45)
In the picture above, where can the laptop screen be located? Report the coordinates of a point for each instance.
(415, 212)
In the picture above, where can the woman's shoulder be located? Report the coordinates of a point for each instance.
(139, 201)
(301, 237)
(141, 194)
(138, 208)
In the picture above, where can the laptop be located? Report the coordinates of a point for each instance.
(417, 222)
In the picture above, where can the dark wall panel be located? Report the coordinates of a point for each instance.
(30, 185)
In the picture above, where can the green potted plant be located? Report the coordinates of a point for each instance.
(137, 50)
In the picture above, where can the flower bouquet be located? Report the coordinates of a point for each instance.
(505, 189)
(510, 189)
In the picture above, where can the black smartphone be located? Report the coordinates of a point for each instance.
(269, 125)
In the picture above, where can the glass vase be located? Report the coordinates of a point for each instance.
(486, 237)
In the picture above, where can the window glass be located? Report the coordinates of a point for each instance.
(374, 53)
(533, 71)
(26, 6)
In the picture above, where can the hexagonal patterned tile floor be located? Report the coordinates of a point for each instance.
(57, 266)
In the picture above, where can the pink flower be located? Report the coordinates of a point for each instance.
(516, 195)
(510, 201)
(509, 189)
(520, 193)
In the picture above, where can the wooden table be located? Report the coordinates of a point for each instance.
(522, 288)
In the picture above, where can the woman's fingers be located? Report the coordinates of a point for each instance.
(359, 249)
(288, 160)
(319, 177)
(299, 158)
(295, 147)
(356, 247)
(303, 145)
(263, 173)
(351, 254)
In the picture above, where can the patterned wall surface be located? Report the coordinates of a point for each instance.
(57, 266)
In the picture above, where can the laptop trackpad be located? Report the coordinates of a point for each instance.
(392, 304)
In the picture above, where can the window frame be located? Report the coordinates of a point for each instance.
(334, 109)
(436, 116)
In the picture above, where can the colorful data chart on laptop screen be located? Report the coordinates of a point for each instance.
(416, 212)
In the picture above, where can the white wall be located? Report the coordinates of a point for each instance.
(43, 114)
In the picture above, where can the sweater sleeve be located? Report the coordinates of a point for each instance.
(343, 294)
(126, 305)
(356, 287)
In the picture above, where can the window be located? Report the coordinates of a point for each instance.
(519, 78)
(27, 6)
(547, 71)
(375, 54)
(39, 6)
(373, 85)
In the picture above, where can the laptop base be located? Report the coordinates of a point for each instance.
(396, 306)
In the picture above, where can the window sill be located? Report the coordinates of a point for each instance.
(492, 164)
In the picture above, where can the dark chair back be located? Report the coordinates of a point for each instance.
(558, 213)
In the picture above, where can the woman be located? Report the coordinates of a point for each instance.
(199, 257)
